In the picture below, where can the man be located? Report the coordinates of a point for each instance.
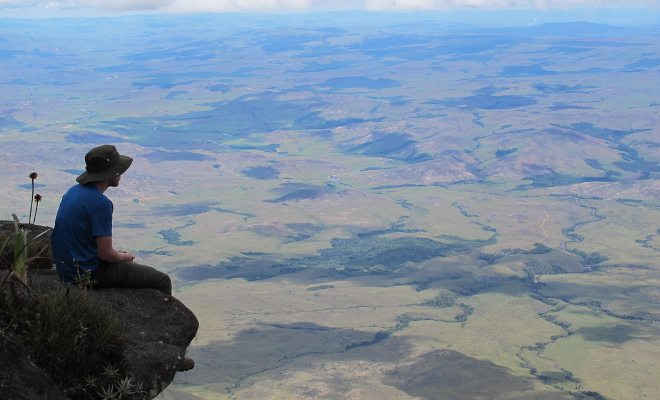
(82, 237)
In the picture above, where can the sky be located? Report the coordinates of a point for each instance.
(487, 12)
(34, 7)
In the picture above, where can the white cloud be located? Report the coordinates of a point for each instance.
(165, 5)
(302, 5)
(383, 5)
(129, 4)
(98, 4)
(238, 5)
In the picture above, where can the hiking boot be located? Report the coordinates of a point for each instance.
(185, 364)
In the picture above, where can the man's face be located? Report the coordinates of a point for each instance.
(114, 182)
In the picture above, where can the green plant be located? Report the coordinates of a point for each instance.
(77, 341)
(128, 387)
(83, 279)
(108, 393)
(120, 389)
(4, 245)
(20, 261)
(115, 388)
(18, 267)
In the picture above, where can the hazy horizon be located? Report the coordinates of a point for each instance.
(479, 12)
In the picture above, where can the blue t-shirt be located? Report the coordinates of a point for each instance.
(84, 214)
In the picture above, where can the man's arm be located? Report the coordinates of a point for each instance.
(107, 253)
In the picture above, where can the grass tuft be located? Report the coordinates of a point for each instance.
(75, 340)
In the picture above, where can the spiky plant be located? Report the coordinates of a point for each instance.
(20, 262)
(19, 265)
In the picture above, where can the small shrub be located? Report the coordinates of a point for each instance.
(540, 248)
(440, 301)
(75, 340)
(466, 311)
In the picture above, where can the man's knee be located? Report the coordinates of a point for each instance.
(165, 284)
(130, 274)
(151, 277)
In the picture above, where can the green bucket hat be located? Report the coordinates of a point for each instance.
(103, 162)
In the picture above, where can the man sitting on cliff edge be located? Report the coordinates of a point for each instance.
(82, 236)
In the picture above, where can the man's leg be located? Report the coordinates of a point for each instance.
(130, 275)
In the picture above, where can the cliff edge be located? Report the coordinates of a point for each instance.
(155, 331)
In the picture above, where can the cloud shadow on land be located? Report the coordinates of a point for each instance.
(634, 303)
(450, 375)
(396, 146)
(415, 47)
(359, 82)
(616, 334)
(182, 210)
(261, 172)
(374, 259)
(373, 256)
(259, 353)
(92, 138)
(9, 122)
(265, 348)
(226, 121)
(160, 156)
(486, 102)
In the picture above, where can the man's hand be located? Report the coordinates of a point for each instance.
(107, 253)
(129, 256)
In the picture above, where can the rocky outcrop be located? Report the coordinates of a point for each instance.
(156, 330)
(20, 379)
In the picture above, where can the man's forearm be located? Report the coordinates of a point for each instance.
(117, 256)
(108, 253)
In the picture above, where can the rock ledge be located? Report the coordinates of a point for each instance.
(157, 329)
